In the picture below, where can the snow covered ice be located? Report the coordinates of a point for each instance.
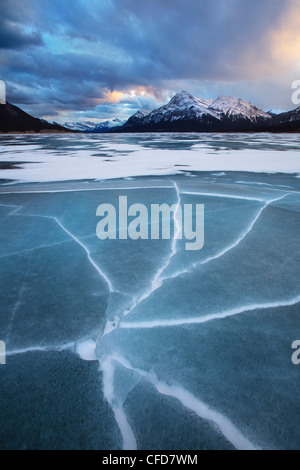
(141, 344)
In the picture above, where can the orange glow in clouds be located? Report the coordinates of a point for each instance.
(116, 96)
(110, 97)
(140, 91)
(285, 38)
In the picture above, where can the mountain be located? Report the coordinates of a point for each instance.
(108, 125)
(96, 127)
(136, 118)
(237, 110)
(276, 111)
(185, 113)
(83, 126)
(284, 122)
(13, 119)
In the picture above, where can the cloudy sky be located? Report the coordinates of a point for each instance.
(96, 59)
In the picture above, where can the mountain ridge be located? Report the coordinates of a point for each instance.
(183, 113)
(90, 126)
(14, 119)
(186, 113)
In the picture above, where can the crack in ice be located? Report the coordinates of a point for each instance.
(228, 248)
(98, 269)
(106, 365)
(189, 401)
(79, 242)
(63, 347)
(129, 441)
(107, 368)
(54, 191)
(223, 423)
(158, 280)
(210, 317)
(17, 208)
(39, 247)
(243, 235)
(223, 195)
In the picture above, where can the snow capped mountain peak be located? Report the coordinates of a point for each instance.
(141, 113)
(181, 97)
(89, 126)
(136, 118)
(183, 93)
(182, 106)
(116, 120)
(80, 126)
(228, 104)
(237, 108)
(104, 125)
(185, 99)
(186, 113)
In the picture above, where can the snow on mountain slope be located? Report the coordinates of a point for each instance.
(181, 106)
(89, 126)
(136, 118)
(236, 108)
(288, 118)
(80, 126)
(185, 112)
(110, 124)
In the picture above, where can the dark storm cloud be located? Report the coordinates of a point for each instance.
(15, 31)
(13, 37)
(66, 53)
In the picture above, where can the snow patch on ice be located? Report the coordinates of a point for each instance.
(86, 350)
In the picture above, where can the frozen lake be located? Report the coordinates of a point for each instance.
(116, 344)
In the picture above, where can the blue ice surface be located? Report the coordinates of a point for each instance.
(207, 344)
(53, 400)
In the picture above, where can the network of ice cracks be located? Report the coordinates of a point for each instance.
(87, 349)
